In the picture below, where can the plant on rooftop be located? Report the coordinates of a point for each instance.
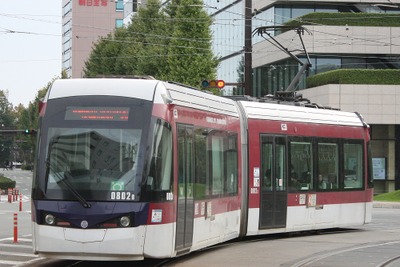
(355, 76)
(349, 19)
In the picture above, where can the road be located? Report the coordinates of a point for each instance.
(375, 244)
(13, 253)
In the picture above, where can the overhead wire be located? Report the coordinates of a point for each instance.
(216, 22)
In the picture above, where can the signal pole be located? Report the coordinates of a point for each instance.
(248, 77)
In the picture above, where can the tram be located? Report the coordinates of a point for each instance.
(128, 169)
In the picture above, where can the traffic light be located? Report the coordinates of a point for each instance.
(29, 131)
(213, 84)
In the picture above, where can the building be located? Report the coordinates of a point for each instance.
(83, 22)
(329, 47)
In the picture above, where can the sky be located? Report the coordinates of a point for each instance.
(30, 47)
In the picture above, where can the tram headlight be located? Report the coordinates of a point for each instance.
(124, 221)
(50, 219)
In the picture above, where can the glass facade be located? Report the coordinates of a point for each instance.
(228, 40)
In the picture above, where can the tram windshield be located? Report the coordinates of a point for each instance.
(102, 152)
(93, 162)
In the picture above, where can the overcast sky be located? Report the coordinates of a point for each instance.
(30, 47)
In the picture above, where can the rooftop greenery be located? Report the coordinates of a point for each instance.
(355, 76)
(349, 19)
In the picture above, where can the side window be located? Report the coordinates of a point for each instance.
(370, 169)
(215, 146)
(231, 165)
(353, 166)
(216, 163)
(266, 163)
(160, 173)
(301, 165)
(201, 164)
(327, 166)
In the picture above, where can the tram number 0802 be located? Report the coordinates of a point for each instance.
(122, 195)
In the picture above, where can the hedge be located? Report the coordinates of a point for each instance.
(349, 19)
(6, 183)
(355, 76)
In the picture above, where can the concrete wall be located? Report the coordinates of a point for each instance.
(378, 104)
(330, 40)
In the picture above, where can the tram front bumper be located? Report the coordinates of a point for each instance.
(89, 244)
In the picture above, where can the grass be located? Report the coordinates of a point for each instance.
(390, 197)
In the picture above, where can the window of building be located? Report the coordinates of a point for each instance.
(67, 8)
(324, 64)
(119, 5)
(119, 23)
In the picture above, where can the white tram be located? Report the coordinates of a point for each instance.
(128, 169)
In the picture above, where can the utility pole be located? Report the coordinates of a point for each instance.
(248, 77)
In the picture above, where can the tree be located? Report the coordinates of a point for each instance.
(190, 57)
(7, 122)
(150, 33)
(105, 54)
(169, 43)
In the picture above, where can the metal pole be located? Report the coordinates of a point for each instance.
(248, 48)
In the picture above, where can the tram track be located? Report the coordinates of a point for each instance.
(248, 239)
(321, 258)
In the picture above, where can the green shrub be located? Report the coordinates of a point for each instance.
(6, 183)
(355, 76)
(26, 167)
(349, 19)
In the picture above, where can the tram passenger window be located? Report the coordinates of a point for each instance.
(201, 163)
(266, 165)
(231, 173)
(216, 163)
(301, 166)
(353, 166)
(328, 166)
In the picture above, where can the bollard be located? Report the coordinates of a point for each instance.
(9, 195)
(15, 227)
(20, 202)
(14, 194)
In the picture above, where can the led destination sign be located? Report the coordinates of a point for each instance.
(97, 113)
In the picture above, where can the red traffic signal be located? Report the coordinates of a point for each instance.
(213, 84)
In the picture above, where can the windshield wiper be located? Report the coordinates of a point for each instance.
(64, 180)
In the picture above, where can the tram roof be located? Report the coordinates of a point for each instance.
(200, 100)
(192, 98)
(281, 112)
(100, 86)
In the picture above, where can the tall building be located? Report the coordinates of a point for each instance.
(84, 21)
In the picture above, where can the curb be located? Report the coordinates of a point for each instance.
(387, 205)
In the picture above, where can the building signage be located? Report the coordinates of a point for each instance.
(93, 2)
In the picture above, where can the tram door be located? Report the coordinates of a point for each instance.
(185, 209)
(273, 198)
